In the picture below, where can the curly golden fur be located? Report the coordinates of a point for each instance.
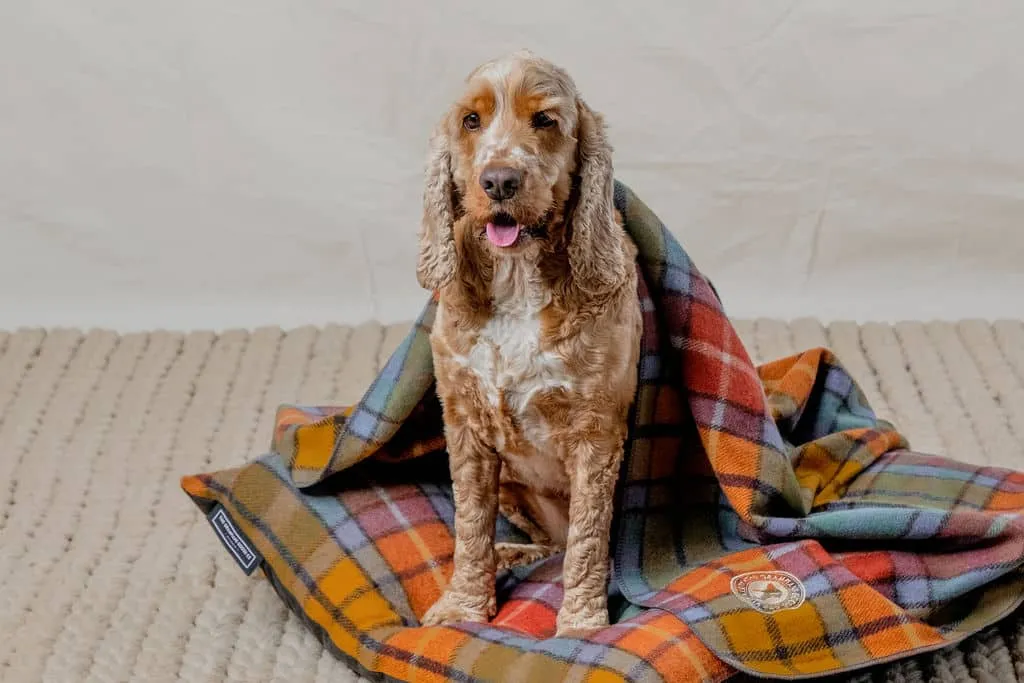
(536, 339)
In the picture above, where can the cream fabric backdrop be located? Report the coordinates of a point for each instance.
(185, 163)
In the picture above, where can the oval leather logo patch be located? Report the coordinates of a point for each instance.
(770, 591)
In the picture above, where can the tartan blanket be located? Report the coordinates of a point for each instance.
(766, 520)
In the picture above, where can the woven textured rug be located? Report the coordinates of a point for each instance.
(95, 429)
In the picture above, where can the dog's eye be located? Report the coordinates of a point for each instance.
(542, 120)
(471, 121)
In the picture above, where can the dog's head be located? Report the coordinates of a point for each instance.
(519, 163)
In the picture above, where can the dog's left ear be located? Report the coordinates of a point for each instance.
(597, 262)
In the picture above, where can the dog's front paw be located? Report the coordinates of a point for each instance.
(454, 607)
(579, 624)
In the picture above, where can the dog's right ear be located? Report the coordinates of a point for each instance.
(435, 267)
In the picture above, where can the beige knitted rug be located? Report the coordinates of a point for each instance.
(96, 428)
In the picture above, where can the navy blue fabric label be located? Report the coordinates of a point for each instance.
(234, 540)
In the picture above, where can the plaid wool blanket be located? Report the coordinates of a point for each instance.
(766, 520)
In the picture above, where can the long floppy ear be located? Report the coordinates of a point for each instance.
(597, 261)
(435, 267)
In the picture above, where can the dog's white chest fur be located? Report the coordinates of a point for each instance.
(510, 364)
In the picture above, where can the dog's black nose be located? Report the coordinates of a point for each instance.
(501, 183)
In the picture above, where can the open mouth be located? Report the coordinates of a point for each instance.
(503, 230)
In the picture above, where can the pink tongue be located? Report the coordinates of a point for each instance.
(502, 235)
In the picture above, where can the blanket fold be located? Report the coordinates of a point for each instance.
(766, 519)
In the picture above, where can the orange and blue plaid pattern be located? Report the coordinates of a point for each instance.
(766, 520)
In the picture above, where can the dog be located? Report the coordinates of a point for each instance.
(536, 338)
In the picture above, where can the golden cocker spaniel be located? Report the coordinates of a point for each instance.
(537, 333)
